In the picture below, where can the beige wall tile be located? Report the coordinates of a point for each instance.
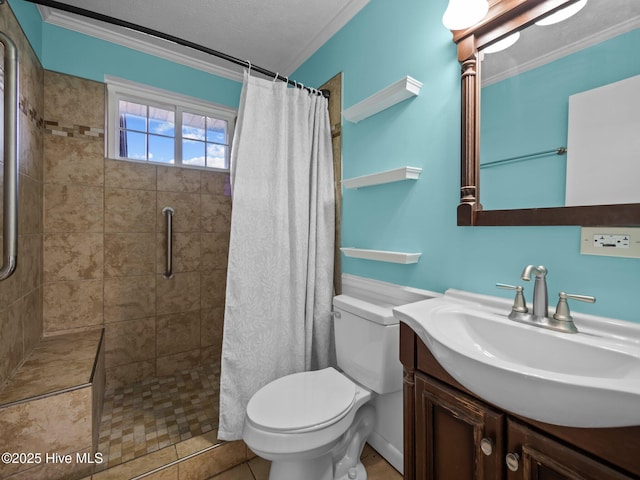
(171, 179)
(73, 208)
(128, 254)
(72, 304)
(212, 354)
(10, 288)
(97, 397)
(73, 100)
(47, 471)
(86, 194)
(212, 325)
(177, 362)
(30, 141)
(122, 375)
(20, 294)
(74, 160)
(215, 251)
(130, 175)
(187, 211)
(179, 332)
(127, 298)
(213, 288)
(29, 205)
(11, 347)
(186, 252)
(29, 270)
(216, 213)
(130, 341)
(129, 211)
(178, 294)
(213, 183)
(32, 318)
(73, 256)
(61, 423)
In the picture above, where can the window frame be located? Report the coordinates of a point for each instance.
(119, 89)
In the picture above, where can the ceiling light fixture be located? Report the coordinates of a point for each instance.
(461, 14)
(563, 14)
(503, 44)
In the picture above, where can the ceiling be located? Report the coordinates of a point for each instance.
(278, 35)
(596, 22)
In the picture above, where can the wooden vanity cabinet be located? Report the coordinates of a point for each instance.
(542, 458)
(452, 429)
(450, 434)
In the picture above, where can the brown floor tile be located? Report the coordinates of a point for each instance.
(148, 416)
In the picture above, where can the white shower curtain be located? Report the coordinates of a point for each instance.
(280, 272)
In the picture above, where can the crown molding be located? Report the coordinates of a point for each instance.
(601, 36)
(136, 41)
(343, 17)
(183, 55)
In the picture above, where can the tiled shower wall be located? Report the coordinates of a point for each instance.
(21, 294)
(104, 247)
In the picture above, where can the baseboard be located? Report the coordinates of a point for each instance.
(387, 450)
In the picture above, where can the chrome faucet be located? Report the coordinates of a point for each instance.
(561, 320)
(540, 296)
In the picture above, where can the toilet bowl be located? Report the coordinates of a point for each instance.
(313, 425)
(299, 422)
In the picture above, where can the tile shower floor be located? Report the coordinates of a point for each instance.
(158, 412)
(149, 416)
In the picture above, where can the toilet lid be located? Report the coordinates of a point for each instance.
(302, 401)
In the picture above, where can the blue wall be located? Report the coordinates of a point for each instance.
(382, 44)
(31, 23)
(73, 53)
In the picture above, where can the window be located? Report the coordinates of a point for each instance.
(151, 125)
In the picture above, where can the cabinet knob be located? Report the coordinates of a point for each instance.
(486, 445)
(513, 461)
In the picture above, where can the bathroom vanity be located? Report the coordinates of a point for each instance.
(451, 433)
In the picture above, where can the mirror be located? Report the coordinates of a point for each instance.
(516, 146)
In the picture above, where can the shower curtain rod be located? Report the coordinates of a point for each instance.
(165, 36)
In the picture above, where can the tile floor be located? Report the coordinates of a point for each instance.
(258, 469)
(158, 412)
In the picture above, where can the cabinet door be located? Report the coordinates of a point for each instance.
(533, 456)
(456, 437)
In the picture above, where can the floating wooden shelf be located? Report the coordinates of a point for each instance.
(388, 176)
(381, 255)
(404, 88)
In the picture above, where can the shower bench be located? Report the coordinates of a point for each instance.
(50, 408)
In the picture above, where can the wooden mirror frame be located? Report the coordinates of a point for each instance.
(504, 17)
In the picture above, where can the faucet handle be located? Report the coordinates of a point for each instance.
(562, 309)
(519, 303)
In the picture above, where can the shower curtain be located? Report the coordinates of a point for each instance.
(280, 272)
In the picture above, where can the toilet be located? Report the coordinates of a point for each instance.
(313, 425)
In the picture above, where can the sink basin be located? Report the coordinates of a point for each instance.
(588, 379)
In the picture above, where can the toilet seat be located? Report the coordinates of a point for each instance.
(302, 402)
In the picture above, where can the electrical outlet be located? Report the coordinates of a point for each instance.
(610, 241)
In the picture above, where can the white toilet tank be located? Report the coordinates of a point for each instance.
(367, 343)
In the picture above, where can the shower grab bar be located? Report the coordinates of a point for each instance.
(168, 213)
(10, 211)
